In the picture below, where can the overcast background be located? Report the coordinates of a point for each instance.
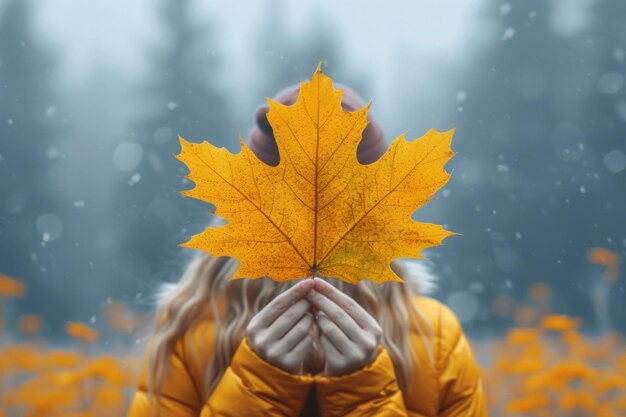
(93, 95)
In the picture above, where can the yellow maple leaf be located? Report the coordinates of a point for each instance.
(319, 211)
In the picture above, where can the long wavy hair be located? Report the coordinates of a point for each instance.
(207, 292)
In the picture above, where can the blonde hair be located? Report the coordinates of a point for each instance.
(206, 291)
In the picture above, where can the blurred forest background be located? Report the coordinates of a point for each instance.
(91, 103)
(94, 94)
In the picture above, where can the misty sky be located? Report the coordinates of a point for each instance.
(113, 33)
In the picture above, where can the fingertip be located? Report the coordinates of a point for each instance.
(320, 284)
(306, 284)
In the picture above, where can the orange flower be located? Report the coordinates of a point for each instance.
(534, 350)
(528, 404)
(22, 358)
(63, 359)
(503, 365)
(535, 383)
(43, 400)
(527, 366)
(568, 370)
(29, 323)
(68, 378)
(608, 258)
(559, 323)
(109, 396)
(11, 287)
(521, 336)
(602, 256)
(81, 331)
(572, 400)
(621, 362)
(609, 381)
(604, 410)
(107, 368)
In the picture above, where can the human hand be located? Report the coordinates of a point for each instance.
(279, 332)
(349, 334)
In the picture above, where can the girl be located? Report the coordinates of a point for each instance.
(253, 347)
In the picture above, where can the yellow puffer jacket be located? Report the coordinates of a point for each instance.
(451, 387)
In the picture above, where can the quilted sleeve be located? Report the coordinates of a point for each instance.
(250, 386)
(369, 391)
(179, 395)
(460, 383)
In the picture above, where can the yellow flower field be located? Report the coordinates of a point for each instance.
(543, 365)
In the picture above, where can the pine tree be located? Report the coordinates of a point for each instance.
(605, 112)
(183, 100)
(29, 217)
(524, 181)
(283, 58)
